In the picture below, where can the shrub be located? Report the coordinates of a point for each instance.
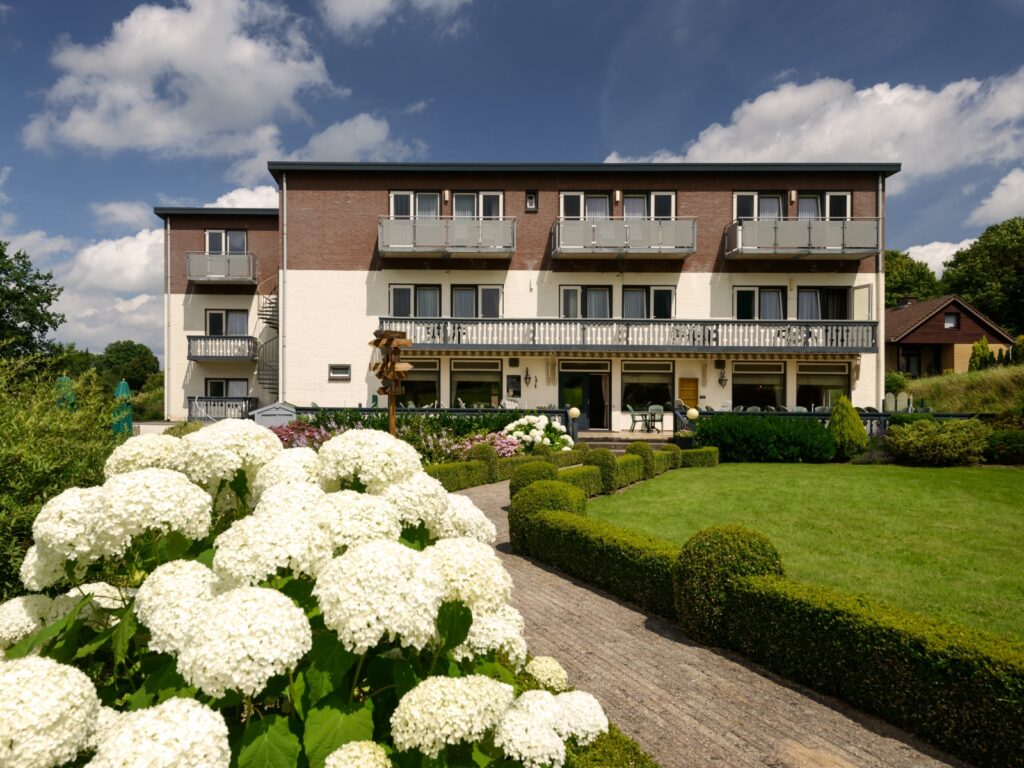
(707, 565)
(502, 444)
(507, 466)
(902, 419)
(548, 496)
(895, 382)
(609, 750)
(1005, 446)
(699, 457)
(629, 469)
(765, 438)
(183, 428)
(674, 451)
(643, 450)
(586, 478)
(530, 472)
(456, 475)
(604, 460)
(961, 690)
(541, 451)
(486, 453)
(564, 458)
(663, 462)
(847, 430)
(949, 443)
(629, 565)
(981, 356)
(581, 447)
(538, 433)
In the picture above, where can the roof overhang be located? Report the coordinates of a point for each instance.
(164, 212)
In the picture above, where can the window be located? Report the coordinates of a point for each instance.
(427, 205)
(822, 304)
(764, 206)
(586, 301)
(951, 321)
(476, 383)
(657, 205)
(821, 384)
(471, 205)
(577, 205)
(663, 205)
(531, 201)
(760, 303)
(227, 387)
(837, 205)
(759, 384)
(646, 383)
(339, 372)
(634, 302)
(225, 241)
(808, 207)
(422, 384)
(227, 322)
(476, 301)
(643, 302)
(415, 301)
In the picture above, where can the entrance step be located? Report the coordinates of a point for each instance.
(618, 442)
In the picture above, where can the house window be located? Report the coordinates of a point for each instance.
(760, 303)
(821, 384)
(657, 205)
(759, 384)
(227, 322)
(472, 205)
(422, 384)
(586, 301)
(227, 387)
(837, 205)
(643, 302)
(823, 304)
(426, 205)
(763, 206)
(646, 383)
(475, 383)
(951, 321)
(415, 301)
(225, 241)
(580, 205)
(339, 372)
(532, 201)
(476, 301)
(808, 207)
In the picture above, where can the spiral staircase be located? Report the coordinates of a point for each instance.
(267, 310)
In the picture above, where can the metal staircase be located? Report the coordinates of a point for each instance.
(267, 355)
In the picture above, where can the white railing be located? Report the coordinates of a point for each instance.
(843, 237)
(222, 267)
(670, 237)
(447, 235)
(217, 408)
(222, 348)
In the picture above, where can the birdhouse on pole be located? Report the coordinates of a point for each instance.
(390, 369)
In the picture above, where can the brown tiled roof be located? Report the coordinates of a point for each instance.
(899, 321)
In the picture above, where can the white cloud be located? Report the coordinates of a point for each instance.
(1004, 202)
(935, 254)
(349, 17)
(123, 214)
(417, 107)
(205, 78)
(92, 324)
(965, 123)
(247, 197)
(125, 264)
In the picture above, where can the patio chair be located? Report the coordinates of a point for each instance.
(781, 409)
(737, 409)
(821, 409)
(656, 416)
(636, 418)
(799, 409)
(460, 402)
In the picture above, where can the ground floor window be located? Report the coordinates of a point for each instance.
(821, 384)
(227, 387)
(645, 384)
(760, 384)
(423, 384)
(475, 383)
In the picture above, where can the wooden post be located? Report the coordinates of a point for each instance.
(390, 370)
(392, 421)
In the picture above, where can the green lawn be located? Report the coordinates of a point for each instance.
(947, 542)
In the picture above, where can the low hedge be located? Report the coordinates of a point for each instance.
(699, 457)
(530, 472)
(902, 419)
(1005, 446)
(629, 469)
(564, 458)
(663, 462)
(629, 565)
(581, 447)
(938, 443)
(672, 450)
(586, 478)
(508, 465)
(961, 690)
(646, 454)
(456, 475)
(485, 452)
(609, 750)
(604, 460)
(765, 438)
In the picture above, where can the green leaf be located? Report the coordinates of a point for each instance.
(323, 671)
(269, 743)
(206, 557)
(46, 634)
(173, 546)
(100, 640)
(496, 671)
(405, 678)
(240, 485)
(453, 622)
(334, 722)
(123, 633)
(160, 681)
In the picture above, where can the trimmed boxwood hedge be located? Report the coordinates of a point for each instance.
(508, 465)
(961, 690)
(530, 472)
(541, 496)
(629, 469)
(1005, 446)
(609, 750)
(564, 458)
(485, 452)
(672, 450)
(586, 478)
(765, 438)
(699, 457)
(663, 462)
(456, 475)
(646, 454)
(604, 460)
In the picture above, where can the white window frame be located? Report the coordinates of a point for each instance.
(227, 384)
(757, 299)
(412, 299)
(402, 193)
(849, 206)
(416, 201)
(224, 319)
(782, 206)
(339, 372)
(809, 196)
(480, 204)
(735, 196)
(671, 195)
(583, 204)
(578, 289)
(476, 205)
(956, 321)
(480, 299)
(648, 307)
(223, 240)
(648, 205)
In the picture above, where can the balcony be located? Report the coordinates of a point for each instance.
(217, 408)
(712, 336)
(226, 268)
(223, 348)
(803, 238)
(446, 236)
(645, 238)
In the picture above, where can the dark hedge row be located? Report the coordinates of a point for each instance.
(765, 439)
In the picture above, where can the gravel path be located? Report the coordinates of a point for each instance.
(688, 705)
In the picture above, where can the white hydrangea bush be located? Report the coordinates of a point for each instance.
(532, 431)
(222, 601)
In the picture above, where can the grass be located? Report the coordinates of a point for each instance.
(993, 390)
(945, 542)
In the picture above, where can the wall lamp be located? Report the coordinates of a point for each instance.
(526, 377)
(722, 380)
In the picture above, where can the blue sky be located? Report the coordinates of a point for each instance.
(112, 107)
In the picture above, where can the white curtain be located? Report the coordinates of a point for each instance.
(597, 207)
(771, 304)
(238, 388)
(597, 303)
(633, 301)
(464, 302)
(808, 208)
(570, 303)
(807, 305)
(428, 302)
(634, 207)
(427, 206)
(490, 206)
(769, 207)
(464, 206)
(238, 323)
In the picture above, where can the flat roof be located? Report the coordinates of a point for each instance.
(164, 211)
(886, 169)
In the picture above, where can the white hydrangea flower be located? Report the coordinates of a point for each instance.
(105, 597)
(41, 568)
(68, 525)
(418, 498)
(292, 465)
(373, 457)
(158, 499)
(464, 518)
(177, 733)
(526, 732)
(359, 754)
(255, 445)
(145, 451)
(170, 601)
(549, 673)
(380, 589)
(47, 712)
(22, 616)
(499, 631)
(581, 717)
(208, 462)
(472, 573)
(351, 518)
(242, 638)
(448, 710)
(106, 719)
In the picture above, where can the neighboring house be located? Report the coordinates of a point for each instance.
(597, 285)
(925, 338)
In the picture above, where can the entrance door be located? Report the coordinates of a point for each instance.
(689, 392)
(589, 393)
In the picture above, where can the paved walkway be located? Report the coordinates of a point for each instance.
(688, 705)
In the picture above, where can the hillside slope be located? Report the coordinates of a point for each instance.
(993, 390)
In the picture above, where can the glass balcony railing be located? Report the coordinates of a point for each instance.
(209, 348)
(447, 235)
(625, 236)
(817, 238)
(222, 267)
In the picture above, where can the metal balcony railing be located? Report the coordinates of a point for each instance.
(222, 267)
(614, 236)
(222, 348)
(447, 235)
(820, 238)
(784, 336)
(217, 408)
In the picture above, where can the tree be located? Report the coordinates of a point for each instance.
(981, 356)
(26, 295)
(130, 361)
(906, 277)
(990, 274)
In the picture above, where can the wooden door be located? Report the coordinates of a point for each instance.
(688, 392)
